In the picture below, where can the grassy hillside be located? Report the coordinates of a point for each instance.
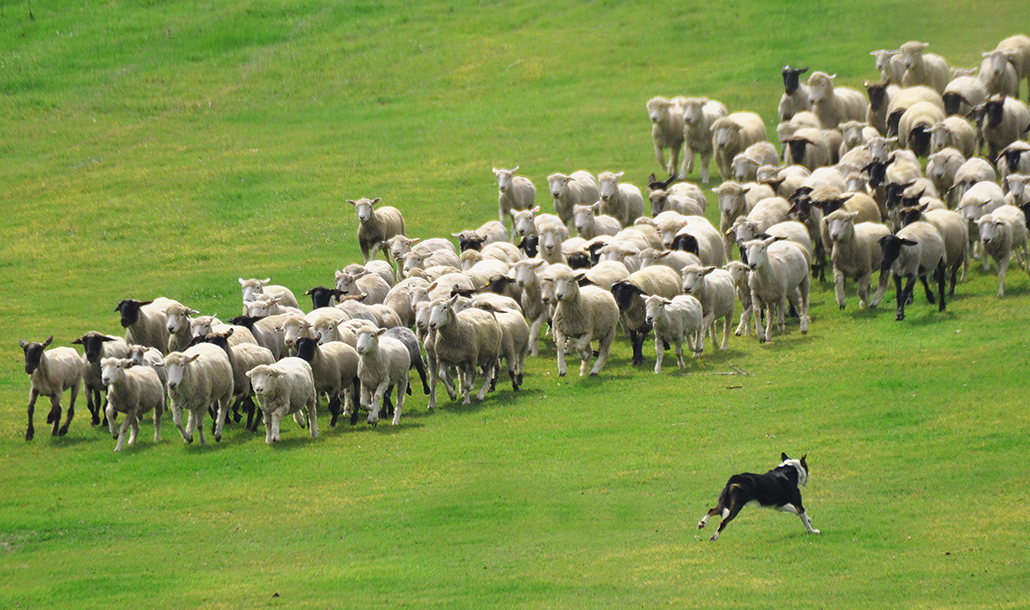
(167, 148)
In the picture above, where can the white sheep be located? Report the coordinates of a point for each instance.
(677, 260)
(134, 391)
(590, 222)
(96, 346)
(962, 94)
(375, 226)
(699, 236)
(1017, 49)
(915, 251)
(732, 205)
(414, 260)
(1003, 232)
(698, 116)
(834, 105)
(740, 274)
(1017, 194)
(619, 199)
(198, 379)
(915, 124)
(180, 327)
(51, 372)
(998, 75)
(468, 340)
(890, 64)
(383, 363)
(400, 299)
(371, 285)
(674, 320)
(954, 231)
(145, 322)
(714, 289)
(795, 96)
(526, 275)
(667, 130)
(923, 68)
(745, 164)
(284, 388)
(578, 188)
(684, 198)
(982, 198)
(582, 315)
(266, 332)
(514, 340)
(856, 254)
(971, 172)
(779, 272)
(401, 245)
(904, 99)
(242, 358)
(734, 134)
(763, 215)
(269, 306)
(855, 134)
(1005, 121)
(513, 192)
(955, 132)
(254, 289)
(529, 222)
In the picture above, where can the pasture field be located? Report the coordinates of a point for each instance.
(166, 148)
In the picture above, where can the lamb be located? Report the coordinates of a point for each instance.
(1003, 232)
(375, 226)
(923, 68)
(588, 225)
(467, 340)
(488, 233)
(855, 134)
(684, 198)
(732, 205)
(581, 316)
(698, 116)
(620, 200)
(973, 171)
(134, 391)
(51, 372)
(401, 299)
(527, 278)
(334, 369)
(982, 198)
(714, 289)
(855, 255)
(834, 105)
(254, 289)
(1006, 120)
(579, 188)
(145, 322)
(890, 64)
(954, 231)
(371, 285)
(1017, 49)
(998, 75)
(284, 388)
(913, 252)
(629, 293)
(180, 333)
(242, 358)
(269, 306)
(740, 274)
(673, 320)
(96, 346)
(734, 134)
(667, 131)
(266, 332)
(942, 167)
(513, 192)
(779, 272)
(915, 124)
(962, 94)
(198, 379)
(745, 165)
(880, 96)
(795, 96)
(514, 341)
(413, 261)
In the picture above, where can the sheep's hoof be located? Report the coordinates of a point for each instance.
(899, 317)
(114, 437)
(218, 438)
(29, 434)
(842, 307)
(95, 421)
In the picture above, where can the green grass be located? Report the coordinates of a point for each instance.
(167, 148)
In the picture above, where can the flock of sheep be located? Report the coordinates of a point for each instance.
(848, 185)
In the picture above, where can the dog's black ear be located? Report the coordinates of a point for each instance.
(784, 457)
(803, 463)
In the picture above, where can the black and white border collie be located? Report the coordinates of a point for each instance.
(778, 488)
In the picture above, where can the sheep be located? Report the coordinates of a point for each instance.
(269, 306)
(982, 198)
(791, 230)
(468, 340)
(941, 169)
(1017, 49)
(763, 215)
(714, 289)
(400, 299)
(890, 64)
(855, 134)
(628, 294)
(880, 96)
(134, 391)
(698, 116)
(198, 378)
(676, 260)
(673, 320)
(152, 357)
(588, 225)
(732, 205)
(401, 245)
(484, 271)
(578, 188)
(145, 322)
(1005, 120)
(954, 231)
(795, 96)
(488, 233)
(381, 268)
(582, 315)
(371, 285)
(620, 200)
(177, 317)
(51, 372)
(834, 105)
(1003, 232)
(1013, 159)
(254, 289)
(513, 192)
(334, 369)
(697, 235)
(1017, 194)
(962, 94)
(684, 197)
(284, 388)
(913, 252)
(242, 358)
(811, 148)
(734, 134)
(740, 273)
(915, 124)
(551, 245)
(529, 222)
(667, 130)
(413, 261)
(375, 226)
(514, 341)
(923, 68)
(973, 171)
(96, 346)
(266, 332)
(745, 165)
(904, 99)
(526, 276)
(855, 255)
(205, 325)
(779, 272)
(998, 75)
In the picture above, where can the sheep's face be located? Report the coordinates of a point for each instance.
(525, 274)
(839, 227)
(738, 272)
(524, 223)
(547, 291)
(440, 315)
(504, 177)
(253, 289)
(130, 311)
(1017, 185)
(726, 136)
(364, 210)
(137, 353)
(757, 254)
(912, 54)
(744, 229)
(399, 247)
(175, 369)
(261, 378)
(609, 185)
(34, 354)
(583, 217)
(178, 321)
(994, 110)
(743, 168)
(294, 328)
(693, 112)
(731, 200)
(112, 370)
(658, 109)
(693, 280)
(345, 283)
(879, 148)
(991, 229)
(422, 311)
(566, 288)
(367, 341)
(798, 146)
(853, 135)
(92, 345)
(550, 241)
(893, 247)
(259, 309)
(997, 62)
(202, 326)
(820, 87)
(558, 184)
(412, 260)
(654, 308)
(659, 201)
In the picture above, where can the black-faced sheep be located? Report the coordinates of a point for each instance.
(51, 372)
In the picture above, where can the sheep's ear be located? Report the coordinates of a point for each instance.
(352, 202)
(228, 333)
(908, 242)
(339, 274)
(242, 281)
(536, 210)
(515, 169)
(77, 341)
(22, 343)
(454, 300)
(618, 176)
(379, 333)
(710, 269)
(48, 341)
(376, 201)
(192, 358)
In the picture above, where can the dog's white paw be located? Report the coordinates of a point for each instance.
(815, 531)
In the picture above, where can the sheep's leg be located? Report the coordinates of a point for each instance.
(604, 349)
(433, 380)
(312, 407)
(191, 425)
(941, 276)
(534, 335)
(299, 419)
(219, 423)
(469, 383)
(134, 431)
(93, 404)
(177, 420)
(770, 316)
(420, 366)
(277, 418)
(158, 412)
(121, 432)
(903, 295)
(659, 354)
(688, 160)
(706, 160)
(110, 421)
(268, 427)
(1003, 266)
(559, 342)
(926, 287)
(582, 347)
(71, 411)
(377, 403)
(659, 155)
(881, 288)
(744, 326)
(401, 384)
(726, 322)
(803, 291)
(679, 351)
(839, 282)
(54, 416)
(200, 426)
(334, 408)
(674, 162)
